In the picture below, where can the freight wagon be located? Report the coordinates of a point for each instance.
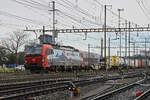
(114, 63)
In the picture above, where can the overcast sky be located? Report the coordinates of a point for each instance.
(18, 14)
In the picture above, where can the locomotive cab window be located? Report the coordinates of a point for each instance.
(49, 52)
(32, 51)
(81, 55)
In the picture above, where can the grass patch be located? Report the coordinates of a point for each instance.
(11, 72)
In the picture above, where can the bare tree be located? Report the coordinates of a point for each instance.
(14, 42)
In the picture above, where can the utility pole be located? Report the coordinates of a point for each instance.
(117, 53)
(137, 55)
(145, 54)
(88, 54)
(102, 47)
(109, 52)
(53, 36)
(134, 54)
(43, 34)
(129, 45)
(126, 39)
(119, 10)
(105, 36)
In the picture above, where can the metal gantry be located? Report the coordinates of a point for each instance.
(91, 30)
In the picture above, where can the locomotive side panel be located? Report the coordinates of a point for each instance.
(64, 58)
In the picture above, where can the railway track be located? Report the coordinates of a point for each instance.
(127, 92)
(30, 89)
(20, 93)
(42, 81)
(34, 77)
(114, 85)
(30, 83)
(144, 96)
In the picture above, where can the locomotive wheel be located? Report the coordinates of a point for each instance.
(46, 71)
(62, 68)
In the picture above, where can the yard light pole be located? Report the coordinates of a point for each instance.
(105, 8)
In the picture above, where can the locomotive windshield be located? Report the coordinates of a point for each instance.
(34, 51)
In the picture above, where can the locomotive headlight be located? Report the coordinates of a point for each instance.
(43, 59)
(25, 61)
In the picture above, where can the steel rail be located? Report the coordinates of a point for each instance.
(29, 94)
(143, 96)
(31, 88)
(42, 89)
(112, 93)
(33, 83)
(30, 83)
(15, 93)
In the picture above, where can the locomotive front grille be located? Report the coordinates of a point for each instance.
(34, 66)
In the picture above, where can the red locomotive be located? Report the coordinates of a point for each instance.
(47, 57)
(53, 57)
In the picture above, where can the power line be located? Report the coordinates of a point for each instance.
(31, 8)
(38, 4)
(20, 18)
(74, 18)
(115, 14)
(78, 9)
(40, 7)
(143, 9)
(83, 12)
(78, 20)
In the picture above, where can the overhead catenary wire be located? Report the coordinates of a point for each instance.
(38, 4)
(68, 16)
(142, 9)
(78, 20)
(37, 12)
(78, 9)
(27, 3)
(20, 18)
(85, 19)
(39, 9)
